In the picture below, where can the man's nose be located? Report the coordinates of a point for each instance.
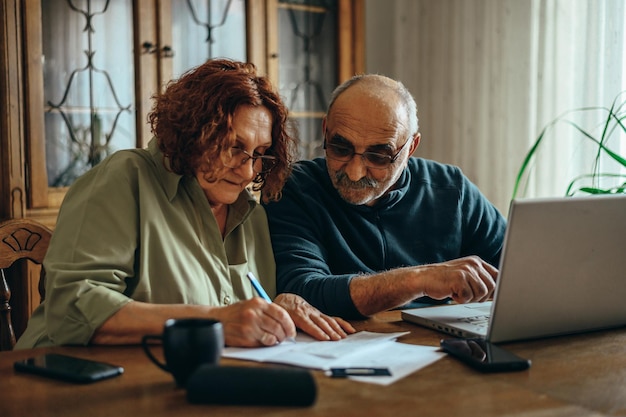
(355, 168)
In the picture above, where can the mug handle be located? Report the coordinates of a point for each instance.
(146, 348)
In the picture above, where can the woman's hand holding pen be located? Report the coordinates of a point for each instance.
(254, 322)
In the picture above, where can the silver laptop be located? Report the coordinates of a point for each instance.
(562, 271)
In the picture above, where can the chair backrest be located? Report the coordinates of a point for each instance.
(19, 239)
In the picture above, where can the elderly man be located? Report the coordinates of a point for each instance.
(369, 227)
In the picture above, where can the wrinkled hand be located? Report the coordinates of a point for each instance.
(465, 280)
(255, 322)
(312, 321)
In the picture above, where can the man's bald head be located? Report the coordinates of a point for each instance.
(379, 90)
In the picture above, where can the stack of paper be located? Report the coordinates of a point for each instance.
(358, 350)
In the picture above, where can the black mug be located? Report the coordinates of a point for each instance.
(187, 344)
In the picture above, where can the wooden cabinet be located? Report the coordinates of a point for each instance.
(316, 46)
(76, 80)
(77, 77)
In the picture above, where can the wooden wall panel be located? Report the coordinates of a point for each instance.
(12, 187)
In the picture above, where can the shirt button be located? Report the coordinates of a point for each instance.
(227, 300)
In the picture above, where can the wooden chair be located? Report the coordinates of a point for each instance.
(19, 239)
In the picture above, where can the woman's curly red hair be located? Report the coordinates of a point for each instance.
(192, 121)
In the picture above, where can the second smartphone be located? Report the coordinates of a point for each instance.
(484, 356)
(68, 368)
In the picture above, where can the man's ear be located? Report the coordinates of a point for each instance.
(324, 125)
(416, 142)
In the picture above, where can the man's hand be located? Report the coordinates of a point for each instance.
(465, 280)
(311, 321)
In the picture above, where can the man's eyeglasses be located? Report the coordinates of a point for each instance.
(261, 164)
(345, 153)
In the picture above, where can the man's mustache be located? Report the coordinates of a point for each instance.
(342, 180)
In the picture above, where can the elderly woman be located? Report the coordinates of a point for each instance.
(171, 231)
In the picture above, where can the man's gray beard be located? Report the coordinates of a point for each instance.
(342, 182)
(344, 185)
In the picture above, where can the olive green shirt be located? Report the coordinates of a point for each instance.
(129, 229)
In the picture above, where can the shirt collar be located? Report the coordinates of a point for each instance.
(169, 179)
(398, 191)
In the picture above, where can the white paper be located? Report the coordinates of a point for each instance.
(402, 359)
(362, 349)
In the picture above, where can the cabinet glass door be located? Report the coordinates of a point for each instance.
(203, 29)
(307, 65)
(88, 84)
(89, 70)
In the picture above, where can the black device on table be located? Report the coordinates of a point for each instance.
(68, 368)
(484, 356)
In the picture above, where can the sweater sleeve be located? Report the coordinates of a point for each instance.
(299, 224)
(434, 214)
(483, 225)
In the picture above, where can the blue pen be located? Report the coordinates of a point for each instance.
(257, 286)
(259, 289)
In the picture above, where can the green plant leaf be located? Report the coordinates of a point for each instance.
(614, 123)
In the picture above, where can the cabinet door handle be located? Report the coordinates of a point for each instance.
(167, 52)
(150, 48)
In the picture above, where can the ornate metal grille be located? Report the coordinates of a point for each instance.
(308, 65)
(205, 29)
(84, 105)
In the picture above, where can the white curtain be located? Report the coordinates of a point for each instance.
(488, 75)
(578, 56)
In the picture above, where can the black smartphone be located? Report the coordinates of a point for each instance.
(484, 356)
(68, 368)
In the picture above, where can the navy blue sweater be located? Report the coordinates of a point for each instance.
(320, 241)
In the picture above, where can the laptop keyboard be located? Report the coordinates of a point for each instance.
(478, 321)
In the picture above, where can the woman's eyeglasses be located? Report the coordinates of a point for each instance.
(345, 153)
(261, 164)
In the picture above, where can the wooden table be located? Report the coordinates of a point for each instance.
(582, 375)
